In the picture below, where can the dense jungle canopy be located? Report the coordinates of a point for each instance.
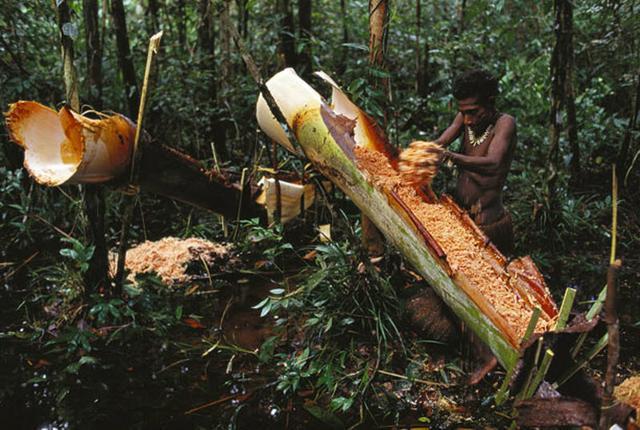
(275, 324)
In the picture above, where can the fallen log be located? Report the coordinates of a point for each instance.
(556, 412)
(469, 274)
(167, 172)
(65, 147)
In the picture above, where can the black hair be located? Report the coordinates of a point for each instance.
(476, 83)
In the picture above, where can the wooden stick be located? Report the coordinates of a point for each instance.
(420, 381)
(238, 396)
(565, 308)
(152, 50)
(130, 201)
(242, 184)
(216, 164)
(277, 213)
(12, 272)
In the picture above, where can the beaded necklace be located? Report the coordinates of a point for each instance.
(477, 141)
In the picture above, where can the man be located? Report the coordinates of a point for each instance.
(489, 140)
(488, 143)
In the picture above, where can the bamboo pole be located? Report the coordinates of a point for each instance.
(152, 51)
(130, 200)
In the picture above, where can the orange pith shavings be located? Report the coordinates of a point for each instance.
(169, 257)
(464, 252)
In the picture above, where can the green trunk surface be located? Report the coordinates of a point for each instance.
(327, 155)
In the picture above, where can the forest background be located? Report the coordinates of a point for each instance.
(569, 72)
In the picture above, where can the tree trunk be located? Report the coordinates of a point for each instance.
(204, 41)
(243, 18)
(418, 85)
(613, 347)
(153, 21)
(218, 125)
(461, 13)
(205, 45)
(125, 62)
(372, 239)
(555, 115)
(94, 53)
(569, 93)
(425, 73)
(287, 48)
(304, 37)
(623, 153)
(563, 96)
(65, 26)
(344, 51)
(378, 30)
(225, 44)
(182, 23)
(164, 171)
(378, 22)
(96, 278)
(321, 134)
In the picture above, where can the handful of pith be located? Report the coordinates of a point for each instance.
(419, 162)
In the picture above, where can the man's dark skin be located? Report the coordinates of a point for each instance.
(483, 171)
(483, 168)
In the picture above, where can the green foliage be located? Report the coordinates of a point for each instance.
(79, 253)
(82, 351)
(267, 242)
(347, 314)
(14, 207)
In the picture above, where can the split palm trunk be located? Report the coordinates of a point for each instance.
(69, 148)
(443, 244)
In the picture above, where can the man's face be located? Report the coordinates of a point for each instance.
(475, 114)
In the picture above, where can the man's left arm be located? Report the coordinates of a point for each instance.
(493, 161)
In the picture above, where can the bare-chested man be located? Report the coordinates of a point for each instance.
(489, 140)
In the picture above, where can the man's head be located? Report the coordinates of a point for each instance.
(476, 92)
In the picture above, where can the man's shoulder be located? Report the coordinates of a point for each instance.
(506, 119)
(506, 124)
